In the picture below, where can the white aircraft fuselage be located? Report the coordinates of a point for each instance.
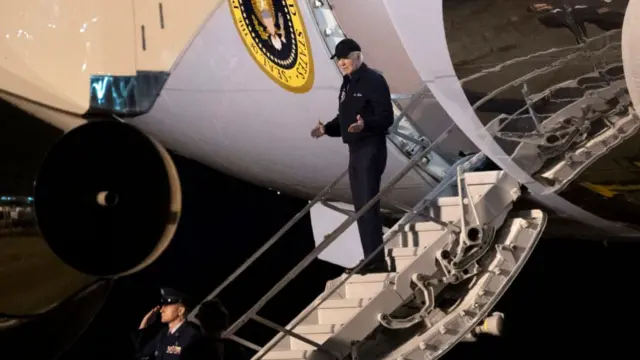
(247, 80)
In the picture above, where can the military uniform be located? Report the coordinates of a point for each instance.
(364, 92)
(166, 344)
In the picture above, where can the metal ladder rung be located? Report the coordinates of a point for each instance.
(274, 326)
(252, 312)
(404, 114)
(406, 219)
(397, 204)
(423, 214)
(277, 236)
(337, 209)
(244, 342)
(328, 240)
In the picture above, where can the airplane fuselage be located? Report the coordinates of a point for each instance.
(238, 84)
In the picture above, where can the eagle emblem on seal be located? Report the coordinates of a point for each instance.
(266, 25)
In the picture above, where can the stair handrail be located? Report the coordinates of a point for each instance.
(322, 196)
(330, 238)
(319, 198)
(403, 114)
(407, 136)
(464, 165)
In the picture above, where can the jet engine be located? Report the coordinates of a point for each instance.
(107, 199)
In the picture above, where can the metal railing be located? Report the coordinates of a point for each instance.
(329, 239)
(470, 162)
(404, 134)
(322, 197)
(404, 127)
(332, 33)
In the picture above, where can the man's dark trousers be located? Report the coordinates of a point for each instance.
(367, 161)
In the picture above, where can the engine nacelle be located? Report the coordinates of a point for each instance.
(107, 199)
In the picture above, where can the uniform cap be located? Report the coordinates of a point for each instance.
(344, 48)
(172, 296)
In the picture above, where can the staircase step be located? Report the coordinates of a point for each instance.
(287, 355)
(339, 311)
(334, 311)
(403, 252)
(399, 258)
(514, 243)
(296, 355)
(317, 333)
(350, 313)
(423, 226)
(366, 286)
(322, 321)
(417, 235)
(359, 286)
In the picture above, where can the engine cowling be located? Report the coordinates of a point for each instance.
(107, 199)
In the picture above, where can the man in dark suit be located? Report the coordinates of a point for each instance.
(365, 114)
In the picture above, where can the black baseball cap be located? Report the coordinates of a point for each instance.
(344, 48)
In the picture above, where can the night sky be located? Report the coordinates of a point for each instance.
(573, 299)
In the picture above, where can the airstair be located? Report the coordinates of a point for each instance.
(452, 258)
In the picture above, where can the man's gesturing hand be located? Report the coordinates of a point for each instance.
(317, 131)
(358, 125)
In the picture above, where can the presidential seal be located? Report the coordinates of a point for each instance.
(273, 32)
